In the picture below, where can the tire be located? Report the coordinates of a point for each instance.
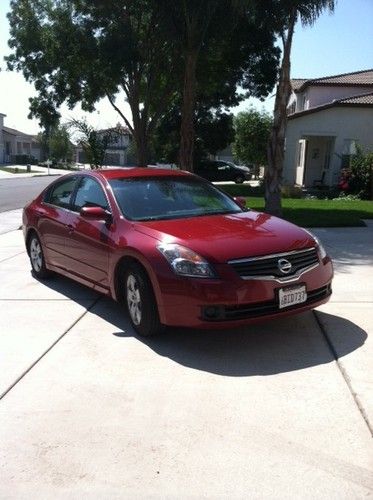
(140, 301)
(239, 180)
(36, 254)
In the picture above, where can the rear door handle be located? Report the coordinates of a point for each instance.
(70, 228)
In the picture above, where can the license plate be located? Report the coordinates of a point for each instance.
(290, 296)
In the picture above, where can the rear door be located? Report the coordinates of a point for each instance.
(224, 172)
(53, 219)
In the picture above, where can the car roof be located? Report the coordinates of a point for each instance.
(133, 172)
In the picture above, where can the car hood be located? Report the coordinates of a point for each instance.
(220, 238)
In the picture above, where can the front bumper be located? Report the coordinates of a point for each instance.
(232, 301)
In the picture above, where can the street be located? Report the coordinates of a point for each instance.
(15, 193)
(278, 410)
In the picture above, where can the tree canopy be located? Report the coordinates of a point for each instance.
(252, 129)
(79, 51)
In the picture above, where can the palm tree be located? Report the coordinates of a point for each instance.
(307, 12)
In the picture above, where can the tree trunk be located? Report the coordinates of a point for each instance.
(141, 141)
(187, 112)
(276, 144)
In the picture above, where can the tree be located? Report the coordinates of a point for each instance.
(252, 129)
(83, 50)
(49, 119)
(198, 26)
(93, 142)
(213, 132)
(288, 12)
(60, 147)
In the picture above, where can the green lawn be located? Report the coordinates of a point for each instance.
(321, 213)
(13, 170)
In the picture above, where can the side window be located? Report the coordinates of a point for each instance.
(90, 194)
(60, 193)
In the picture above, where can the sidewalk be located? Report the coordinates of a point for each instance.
(10, 220)
(36, 171)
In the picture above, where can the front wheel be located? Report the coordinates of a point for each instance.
(140, 301)
(37, 260)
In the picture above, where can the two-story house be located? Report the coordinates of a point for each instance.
(117, 151)
(327, 117)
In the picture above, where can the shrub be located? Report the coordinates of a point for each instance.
(289, 191)
(361, 167)
(24, 159)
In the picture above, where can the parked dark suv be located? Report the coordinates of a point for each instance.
(218, 170)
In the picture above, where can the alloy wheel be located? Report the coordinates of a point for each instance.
(134, 299)
(36, 255)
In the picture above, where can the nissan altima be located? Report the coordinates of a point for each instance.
(174, 249)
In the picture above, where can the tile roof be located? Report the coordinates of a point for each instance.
(357, 78)
(296, 83)
(364, 77)
(358, 99)
(14, 131)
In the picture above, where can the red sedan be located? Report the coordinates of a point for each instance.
(174, 248)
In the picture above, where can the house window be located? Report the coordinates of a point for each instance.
(349, 147)
(19, 148)
(349, 150)
(304, 102)
(291, 108)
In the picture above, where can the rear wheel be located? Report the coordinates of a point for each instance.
(239, 179)
(140, 301)
(37, 260)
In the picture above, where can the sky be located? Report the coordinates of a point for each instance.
(335, 44)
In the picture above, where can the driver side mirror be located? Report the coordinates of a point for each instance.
(96, 213)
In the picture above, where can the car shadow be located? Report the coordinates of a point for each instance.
(276, 346)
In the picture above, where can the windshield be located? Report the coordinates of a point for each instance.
(160, 198)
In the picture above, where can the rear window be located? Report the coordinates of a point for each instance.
(59, 194)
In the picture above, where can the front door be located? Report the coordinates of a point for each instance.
(89, 240)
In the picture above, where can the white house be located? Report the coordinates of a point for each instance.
(327, 117)
(15, 143)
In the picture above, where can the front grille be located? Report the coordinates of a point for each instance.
(246, 311)
(267, 266)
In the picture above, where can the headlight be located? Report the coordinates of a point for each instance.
(185, 262)
(319, 245)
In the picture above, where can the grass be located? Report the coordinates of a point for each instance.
(308, 212)
(15, 170)
(321, 213)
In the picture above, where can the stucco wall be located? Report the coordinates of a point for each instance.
(315, 95)
(339, 122)
(318, 95)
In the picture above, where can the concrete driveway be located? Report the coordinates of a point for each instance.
(280, 410)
